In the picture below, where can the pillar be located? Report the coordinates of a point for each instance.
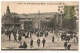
(22, 25)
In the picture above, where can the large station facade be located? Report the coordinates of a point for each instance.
(46, 20)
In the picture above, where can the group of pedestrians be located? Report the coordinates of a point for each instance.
(31, 43)
(16, 35)
(67, 45)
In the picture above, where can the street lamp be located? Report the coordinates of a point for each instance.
(39, 20)
(61, 11)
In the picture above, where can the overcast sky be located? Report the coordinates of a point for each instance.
(29, 8)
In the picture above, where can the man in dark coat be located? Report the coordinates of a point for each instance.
(38, 34)
(25, 45)
(15, 37)
(47, 33)
(43, 41)
(9, 34)
(69, 45)
(19, 38)
(65, 45)
(41, 33)
(30, 34)
(38, 42)
(31, 43)
(53, 39)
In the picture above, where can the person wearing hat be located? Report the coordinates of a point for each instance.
(53, 38)
(65, 44)
(43, 41)
(69, 45)
(31, 43)
(25, 45)
(38, 42)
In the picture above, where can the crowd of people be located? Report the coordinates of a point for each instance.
(26, 34)
(38, 33)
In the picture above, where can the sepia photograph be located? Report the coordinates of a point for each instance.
(39, 25)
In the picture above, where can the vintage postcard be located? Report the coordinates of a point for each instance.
(39, 25)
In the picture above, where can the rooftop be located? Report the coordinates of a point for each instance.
(37, 15)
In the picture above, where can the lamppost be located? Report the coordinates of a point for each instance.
(39, 20)
(61, 11)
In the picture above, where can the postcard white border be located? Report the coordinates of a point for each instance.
(24, 51)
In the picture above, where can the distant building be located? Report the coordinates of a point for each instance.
(47, 20)
(28, 21)
(9, 20)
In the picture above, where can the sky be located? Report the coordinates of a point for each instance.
(27, 7)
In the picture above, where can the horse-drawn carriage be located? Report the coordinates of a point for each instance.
(67, 35)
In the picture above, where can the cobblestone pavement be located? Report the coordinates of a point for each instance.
(57, 44)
